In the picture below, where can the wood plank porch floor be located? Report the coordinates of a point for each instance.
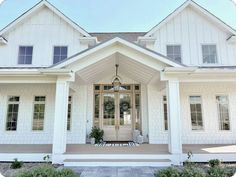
(142, 149)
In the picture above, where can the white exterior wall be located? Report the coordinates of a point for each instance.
(77, 134)
(190, 30)
(43, 31)
(157, 133)
(24, 133)
(211, 133)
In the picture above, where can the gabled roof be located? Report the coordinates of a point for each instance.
(198, 8)
(52, 8)
(123, 42)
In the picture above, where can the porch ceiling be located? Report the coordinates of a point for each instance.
(127, 67)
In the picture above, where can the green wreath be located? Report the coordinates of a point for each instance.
(109, 106)
(124, 106)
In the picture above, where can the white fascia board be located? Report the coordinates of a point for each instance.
(3, 41)
(22, 17)
(146, 40)
(198, 8)
(168, 18)
(19, 72)
(51, 7)
(57, 72)
(88, 40)
(64, 17)
(179, 70)
(232, 39)
(114, 41)
(198, 71)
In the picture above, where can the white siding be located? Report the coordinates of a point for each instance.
(211, 133)
(43, 30)
(190, 29)
(24, 133)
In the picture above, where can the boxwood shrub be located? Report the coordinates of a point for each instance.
(47, 171)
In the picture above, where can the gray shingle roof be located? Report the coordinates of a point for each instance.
(129, 36)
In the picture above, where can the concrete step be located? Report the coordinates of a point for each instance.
(118, 162)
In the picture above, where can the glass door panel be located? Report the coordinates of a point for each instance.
(125, 109)
(108, 109)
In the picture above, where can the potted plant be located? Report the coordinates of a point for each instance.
(96, 135)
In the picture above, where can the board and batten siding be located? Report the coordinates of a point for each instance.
(190, 30)
(24, 133)
(43, 30)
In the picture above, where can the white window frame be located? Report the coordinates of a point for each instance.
(53, 48)
(217, 57)
(202, 112)
(39, 102)
(175, 45)
(8, 103)
(218, 113)
(24, 64)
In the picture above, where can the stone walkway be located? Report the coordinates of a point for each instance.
(115, 171)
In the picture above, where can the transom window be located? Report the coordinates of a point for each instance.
(196, 112)
(60, 53)
(12, 113)
(209, 54)
(223, 112)
(69, 113)
(174, 52)
(165, 112)
(25, 55)
(39, 111)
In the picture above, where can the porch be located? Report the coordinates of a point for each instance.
(141, 149)
(91, 155)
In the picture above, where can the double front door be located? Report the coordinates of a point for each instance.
(117, 116)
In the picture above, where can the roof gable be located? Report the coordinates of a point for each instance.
(38, 6)
(122, 42)
(197, 8)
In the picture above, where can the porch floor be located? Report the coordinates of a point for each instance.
(142, 149)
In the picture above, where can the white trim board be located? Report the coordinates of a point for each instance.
(198, 8)
(36, 7)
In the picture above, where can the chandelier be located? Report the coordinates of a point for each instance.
(116, 81)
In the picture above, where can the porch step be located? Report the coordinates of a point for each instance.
(118, 162)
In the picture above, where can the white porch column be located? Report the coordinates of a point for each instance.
(174, 122)
(60, 121)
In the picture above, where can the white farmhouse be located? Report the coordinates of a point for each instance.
(175, 85)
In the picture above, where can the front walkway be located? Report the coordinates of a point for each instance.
(115, 171)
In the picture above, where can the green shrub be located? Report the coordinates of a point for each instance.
(193, 172)
(168, 172)
(214, 163)
(16, 164)
(47, 171)
(67, 173)
(97, 133)
(221, 172)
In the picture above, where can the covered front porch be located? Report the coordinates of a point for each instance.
(91, 155)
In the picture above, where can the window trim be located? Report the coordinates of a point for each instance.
(202, 106)
(217, 56)
(6, 113)
(59, 46)
(181, 52)
(229, 112)
(32, 55)
(45, 112)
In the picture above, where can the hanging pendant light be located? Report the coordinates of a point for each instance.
(116, 81)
